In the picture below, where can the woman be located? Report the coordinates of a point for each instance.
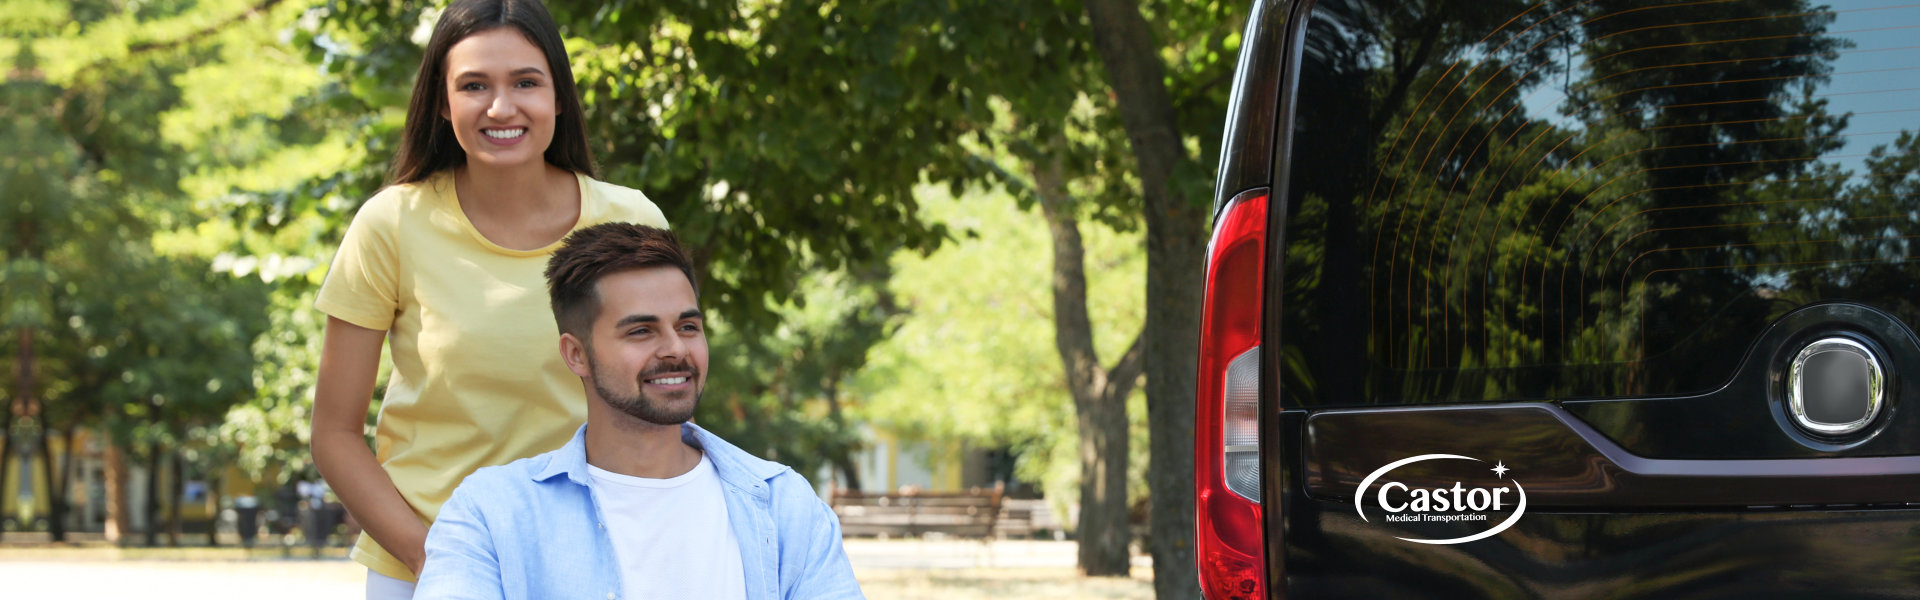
(445, 265)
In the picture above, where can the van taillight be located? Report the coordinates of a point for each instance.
(1230, 547)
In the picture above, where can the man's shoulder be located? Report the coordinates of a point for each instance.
(794, 496)
(741, 468)
(734, 464)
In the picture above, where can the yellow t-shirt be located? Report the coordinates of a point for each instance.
(477, 377)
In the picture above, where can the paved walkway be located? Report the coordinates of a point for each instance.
(962, 554)
(329, 579)
(901, 565)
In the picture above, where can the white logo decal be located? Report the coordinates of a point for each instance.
(1404, 504)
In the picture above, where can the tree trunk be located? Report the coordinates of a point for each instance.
(23, 363)
(842, 458)
(63, 490)
(24, 247)
(1103, 529)
(118, 521)
(6, 459)
(56, 515)
(1099, 396)
(213, 494)
(1176, 239)
(178, 497)
(152, 507)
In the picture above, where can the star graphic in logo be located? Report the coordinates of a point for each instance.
(1500, 469)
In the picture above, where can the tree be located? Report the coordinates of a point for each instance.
(1174, 191)
(787, 395)
(979, 364)
(36, 186)
(137, 344)
(1065, 135)
(1099, 393)
(262, 163)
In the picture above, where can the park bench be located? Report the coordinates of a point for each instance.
(970, 514)
(1027, 519)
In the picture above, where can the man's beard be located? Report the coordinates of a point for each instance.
(643, 407)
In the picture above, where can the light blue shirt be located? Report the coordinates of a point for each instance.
(533, 529)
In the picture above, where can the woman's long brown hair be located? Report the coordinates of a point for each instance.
(428, 145)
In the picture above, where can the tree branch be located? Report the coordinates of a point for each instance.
(1137, 75)
(1125, 373)
(1405, 72)
(160, 45)
(150, 46)
(1018, 184)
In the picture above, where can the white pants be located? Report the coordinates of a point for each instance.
(381, 587)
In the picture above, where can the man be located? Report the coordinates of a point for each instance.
(642, 503)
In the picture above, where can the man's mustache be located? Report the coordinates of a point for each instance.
(663, 368)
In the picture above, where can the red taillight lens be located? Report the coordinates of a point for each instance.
(1229, 544)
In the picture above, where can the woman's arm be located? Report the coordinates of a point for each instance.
(349, 362)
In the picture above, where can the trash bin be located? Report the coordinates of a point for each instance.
(317, 525)
(247, 522)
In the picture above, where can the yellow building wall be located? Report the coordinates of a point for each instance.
(42, 501)
(233, 483)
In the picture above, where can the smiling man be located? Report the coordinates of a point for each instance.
(642, 503)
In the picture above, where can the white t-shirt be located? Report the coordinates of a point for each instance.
(671, 537)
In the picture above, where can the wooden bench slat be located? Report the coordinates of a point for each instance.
(970, 514)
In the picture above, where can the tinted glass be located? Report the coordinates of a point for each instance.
(1502, 200)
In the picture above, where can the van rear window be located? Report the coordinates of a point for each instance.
(1498, 200)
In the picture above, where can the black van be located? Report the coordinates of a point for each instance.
(1565, 299)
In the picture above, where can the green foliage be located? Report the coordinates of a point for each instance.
(784, 394)
(977, 362)
(145, 345)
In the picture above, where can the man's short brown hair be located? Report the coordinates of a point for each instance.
(595, 252)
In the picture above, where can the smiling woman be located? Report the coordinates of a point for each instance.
(510, 58)
(499, 86)
(445, 266)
